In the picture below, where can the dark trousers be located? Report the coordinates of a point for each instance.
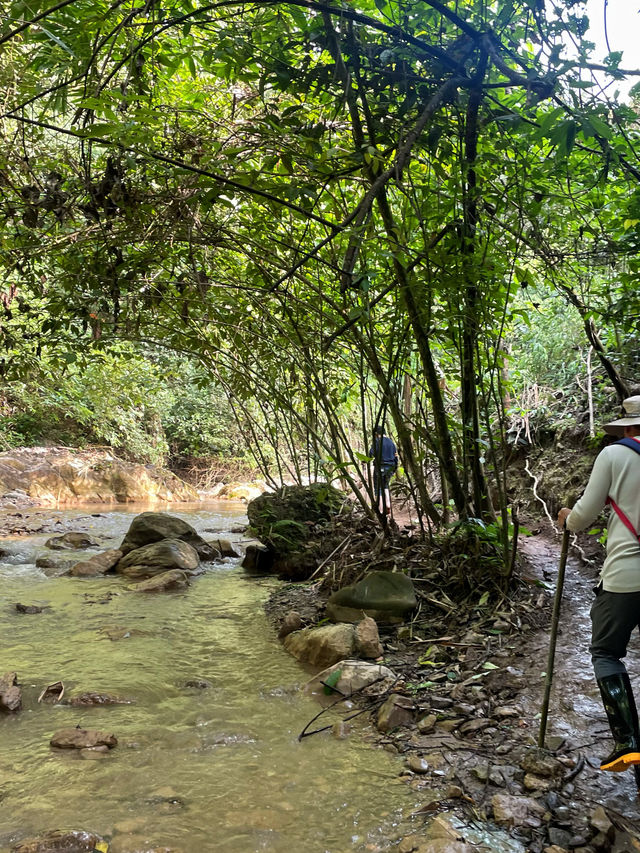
(614, 615)
(381, 478)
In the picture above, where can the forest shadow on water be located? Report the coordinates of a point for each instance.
(216, 766)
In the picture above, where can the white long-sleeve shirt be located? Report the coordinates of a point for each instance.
(615, 474)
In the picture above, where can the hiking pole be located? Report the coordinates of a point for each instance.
(555, 618)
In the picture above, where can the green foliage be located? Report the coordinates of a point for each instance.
(143, 407)
(332, 212)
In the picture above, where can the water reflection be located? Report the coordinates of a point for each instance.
(214, 769)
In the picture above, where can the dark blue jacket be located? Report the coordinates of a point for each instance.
(385, 455)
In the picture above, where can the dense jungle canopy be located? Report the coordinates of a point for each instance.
(425, 214)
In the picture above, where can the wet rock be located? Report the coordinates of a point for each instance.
(258, 559)
(440, 703)
(481, 772)
(69, 841)
(451, 724)
(158, 557)
(89, 699)
(505, 712)
(555, 849)
(95, 753)
(97, 565)
(341, 730)
(198, 683)
(410, 844)
(368, 639)
(426, 724)
(291, 622)
(52, 567)
(538, 783)
(165, 582)
(118, 633)
(396, 711)
(599, 820)
(150, 527)
(473, 726)
(559, 837)
(10, 693)
(443, 835)
(71, 540)
(47, 563)
(82, 739)
(322, 646)
(540, 763)
(354, 677)
(329, 644)
(417, 764)
(28, 608)
(513, 811)
(387, 597)
(224, 547)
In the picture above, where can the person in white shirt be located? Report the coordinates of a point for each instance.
(615, 480)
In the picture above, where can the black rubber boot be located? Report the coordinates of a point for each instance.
(618, 701)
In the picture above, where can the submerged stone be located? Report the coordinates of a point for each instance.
(28, 608)
(69, 841)
(165, 582)
(82, 739)
(71, 540)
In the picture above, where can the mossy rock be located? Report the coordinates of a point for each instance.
(282, 519)
(285, 521)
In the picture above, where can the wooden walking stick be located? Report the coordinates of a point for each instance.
(555, 618)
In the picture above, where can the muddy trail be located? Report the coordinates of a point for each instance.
(576, 711)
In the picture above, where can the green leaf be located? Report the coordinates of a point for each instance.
(331, 680)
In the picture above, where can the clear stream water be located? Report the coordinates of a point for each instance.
(217, 769)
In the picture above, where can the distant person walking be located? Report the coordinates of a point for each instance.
(615, 613)
(385, 464)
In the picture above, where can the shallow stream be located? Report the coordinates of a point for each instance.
(214, 769)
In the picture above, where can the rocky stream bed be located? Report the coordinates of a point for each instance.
(459, 707)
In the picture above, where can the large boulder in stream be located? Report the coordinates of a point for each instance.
(388, 597)
(284, 522)
(158, 558)
(151, 527)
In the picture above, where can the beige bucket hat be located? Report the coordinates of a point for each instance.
(631, 408)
